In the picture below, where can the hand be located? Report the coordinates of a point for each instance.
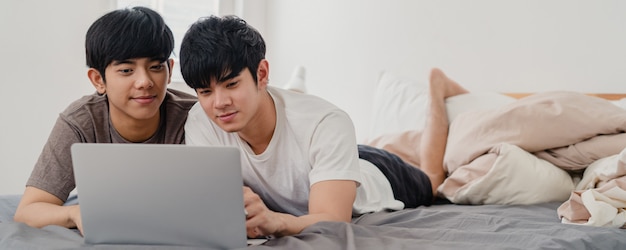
(260, 221)
(76, 218)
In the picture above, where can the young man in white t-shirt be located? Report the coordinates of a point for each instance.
(300, 160)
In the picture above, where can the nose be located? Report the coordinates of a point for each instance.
(221, 98)
(143, 80)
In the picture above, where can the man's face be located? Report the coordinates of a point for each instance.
(233, 103)
(136, 88)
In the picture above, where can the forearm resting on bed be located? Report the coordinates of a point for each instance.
(42, 214)
(38, 209)
(328, 201)
(294, 225)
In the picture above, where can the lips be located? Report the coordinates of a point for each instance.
(144, 99)
(227, 117)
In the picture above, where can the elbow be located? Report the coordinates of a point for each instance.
(345, 218)
(20, 216)
(28, 220)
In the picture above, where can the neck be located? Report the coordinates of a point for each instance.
(259, 132)
(137, 130)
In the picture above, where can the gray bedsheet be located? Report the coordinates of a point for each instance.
(444, 226)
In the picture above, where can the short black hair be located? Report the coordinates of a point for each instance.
(219, 48)
(127, 33)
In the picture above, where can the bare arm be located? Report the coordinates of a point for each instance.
(38, 208)
(328, 201)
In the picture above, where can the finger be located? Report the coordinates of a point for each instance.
(254, 221)
(250, 232)
(258, 232)
(248, 194)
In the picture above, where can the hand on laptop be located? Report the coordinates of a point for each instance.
(258, 216)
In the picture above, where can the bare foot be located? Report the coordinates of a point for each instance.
(442, 86)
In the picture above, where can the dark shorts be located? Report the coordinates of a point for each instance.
(409, 184)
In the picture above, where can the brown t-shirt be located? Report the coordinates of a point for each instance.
(87, 120)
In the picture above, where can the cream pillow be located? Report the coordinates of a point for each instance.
(475, 101)
(516, 177)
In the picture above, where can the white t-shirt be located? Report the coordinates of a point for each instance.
(313, 141)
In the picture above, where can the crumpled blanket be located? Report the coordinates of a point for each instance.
(567, 129)
(600, 197)
(526, 151)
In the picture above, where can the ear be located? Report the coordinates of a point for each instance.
(170, 63)
(97, 81)
(263, 73)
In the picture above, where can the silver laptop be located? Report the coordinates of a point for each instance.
(160, 194)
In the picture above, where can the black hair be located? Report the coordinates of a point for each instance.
(125, 34)
(219, 48)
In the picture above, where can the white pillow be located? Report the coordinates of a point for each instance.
(400, 104)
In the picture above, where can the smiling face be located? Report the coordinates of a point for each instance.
(237, 104)
(135, 89)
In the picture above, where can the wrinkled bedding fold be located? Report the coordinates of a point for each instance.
(567, 129)
(544, 121)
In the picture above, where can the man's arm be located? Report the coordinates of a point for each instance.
(328, 201)
(38, 208)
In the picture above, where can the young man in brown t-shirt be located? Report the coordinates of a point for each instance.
(127, 52)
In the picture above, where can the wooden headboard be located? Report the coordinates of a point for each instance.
(607, 96)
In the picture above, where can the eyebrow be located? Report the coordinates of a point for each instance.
(230, 76)
(116, 62)
(132, 60)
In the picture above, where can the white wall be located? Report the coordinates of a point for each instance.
(43, 69)
(487, 45)
(522, 45)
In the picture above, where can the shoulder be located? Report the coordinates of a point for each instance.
(305, 105)
(179, 100)
(293, 97)
(306, 112)
(309, 116)
(87, 106)
(87, 117)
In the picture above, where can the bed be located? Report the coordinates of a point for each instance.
(521, 200)
(442, 226)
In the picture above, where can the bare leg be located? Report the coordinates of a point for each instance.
(435, 134)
